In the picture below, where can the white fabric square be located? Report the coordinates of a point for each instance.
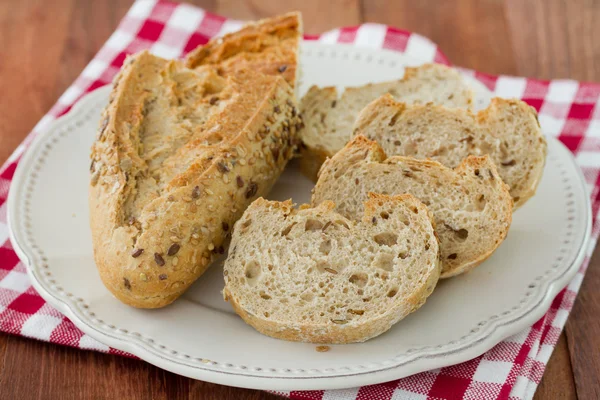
(94, 69)
(87, 342)
(492, 371)
(229, 26)
(544, 353)
(562, 91)
(40, 326)
(588, 159)
(70, 95)
(400, 394)
(161, 50)
(3, 233)
(519, 338)
(508, 86)
(186, 17)
(560, 318)
(518, 389)
(551, 126)
(16, 281)
(370, 35)
(420, 48)
(141, 8)
(341, 394)
(330, 37)
(119, 40)
(593, 129)
(576, 282)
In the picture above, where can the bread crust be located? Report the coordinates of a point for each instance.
(356, 330)
(364, 151)
(269, 46)
(149, 251)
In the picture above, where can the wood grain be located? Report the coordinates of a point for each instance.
(45, 45)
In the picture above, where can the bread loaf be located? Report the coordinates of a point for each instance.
(328, 119)
(470, 204)
(312, 275)
(508, 131)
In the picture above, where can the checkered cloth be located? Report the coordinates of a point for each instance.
(567, 109)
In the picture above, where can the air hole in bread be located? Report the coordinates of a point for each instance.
(264, 296)
(287, 230)
(452, 256)
(359, 279)
(253, 272)
(384, 261)
(325, 247)
(384, 215)
(461, 234)
(403, 254)
(476, 171)
(342, 223)
(313, 225)
(386, 239)
(246, 224)
(392, 292)
(308, 297)
(266, 314)
(481, 202)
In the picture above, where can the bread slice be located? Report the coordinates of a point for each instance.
(470, 204)
(312, 275)
(180, 154)
(507, 130)
(270, 46)
(328, 119)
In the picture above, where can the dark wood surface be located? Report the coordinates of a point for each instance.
(45, 44)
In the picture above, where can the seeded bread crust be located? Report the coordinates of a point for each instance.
(507, 130)
(269, 46)
(322, 278)
(179, 155)
(329, 119)
(470, 204)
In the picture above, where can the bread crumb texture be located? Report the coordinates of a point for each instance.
(313, 275)
(471, 206)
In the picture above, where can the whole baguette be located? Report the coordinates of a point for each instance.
(312, 275)
(179, 155)
(470, 204)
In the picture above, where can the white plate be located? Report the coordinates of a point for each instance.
(199, 336)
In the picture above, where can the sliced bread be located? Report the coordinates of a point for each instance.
(507, 130)
(312, 275)
(470, 204)
(328, 119)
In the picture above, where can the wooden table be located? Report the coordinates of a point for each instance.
(45, 44)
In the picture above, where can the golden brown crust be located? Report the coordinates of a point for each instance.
(150, 245)
(269, 46)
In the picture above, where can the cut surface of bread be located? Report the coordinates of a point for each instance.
(269, 46)
(179, 155)
(329, 119)
(470, 204)
(312, 275)
(507, 130)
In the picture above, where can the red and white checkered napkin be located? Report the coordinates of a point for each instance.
(567, 109)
